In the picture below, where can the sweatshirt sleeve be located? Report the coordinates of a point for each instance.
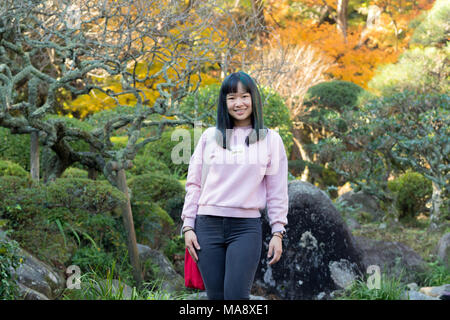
(277, 185)
(193, 184)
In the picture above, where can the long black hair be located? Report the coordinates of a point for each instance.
(224, 121)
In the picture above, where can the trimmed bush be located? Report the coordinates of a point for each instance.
(336, 95)
(148, 164)
(52, 220)
(15, 148)
(156, 188)
(11, 185)
(412, 191)
(74, 173)
(161, 150)
(90, 195)
(152, 224)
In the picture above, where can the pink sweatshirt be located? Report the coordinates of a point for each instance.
(240, 181)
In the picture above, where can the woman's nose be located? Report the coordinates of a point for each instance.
(238, 102)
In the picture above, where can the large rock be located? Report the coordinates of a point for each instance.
(366, 204)
(443, 249)
(319, 252)
(36, 280)
(171, 282)
(395, 259)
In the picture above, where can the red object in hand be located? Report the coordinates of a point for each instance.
(192, 277)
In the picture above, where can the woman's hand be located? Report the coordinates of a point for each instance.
(190, 241)
(275, 249)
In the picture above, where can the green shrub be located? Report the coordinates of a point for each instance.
(15, 148)
(90, 195)
(296, 167)
(11, 185)
(74, 173)
(204, 100)
(175, 246)
(438, 274)
(91, 258)
(148, 164)
(334, 95)
(152, 224)
(412, 191)
(158, 188)
(52, 220)
(8, 168)
(161, 150)
(9, 259)
(429, 31)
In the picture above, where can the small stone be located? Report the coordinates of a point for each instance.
(435, 291)
(415, 295)
(412, 286)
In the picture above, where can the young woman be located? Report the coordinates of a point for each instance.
(221, 217)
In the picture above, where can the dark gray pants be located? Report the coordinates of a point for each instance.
(230, 250)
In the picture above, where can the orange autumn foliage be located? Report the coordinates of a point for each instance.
(358, 58)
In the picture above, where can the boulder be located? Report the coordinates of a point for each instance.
(162, 269)
(443, 249)
(36, 280)
(319, 252)
(415, 295)
(435, 292)
(352, 223)
(426, 293)
(395, 259)
(366, 204)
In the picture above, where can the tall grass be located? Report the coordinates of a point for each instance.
(94, 287)
(437, 275)
(391, 288)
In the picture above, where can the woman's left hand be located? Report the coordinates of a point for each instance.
(275, 249)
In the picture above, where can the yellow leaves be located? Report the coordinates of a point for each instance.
(97, 100)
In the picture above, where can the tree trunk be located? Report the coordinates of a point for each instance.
(299, 152)
(127, 216)
(373, 20)
(34, 156)
(342, 8)
(436, 202)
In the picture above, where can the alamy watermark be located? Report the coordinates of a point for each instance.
(74, 280)
(374, 280)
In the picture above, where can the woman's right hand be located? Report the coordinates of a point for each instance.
(191, 243)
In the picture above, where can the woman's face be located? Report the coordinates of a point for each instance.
(240, 106)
